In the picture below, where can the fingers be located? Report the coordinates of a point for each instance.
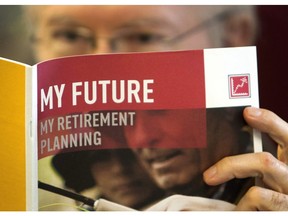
(268, 122)
(188, 203)
(260, 199)
(273, 172)
(282, 154)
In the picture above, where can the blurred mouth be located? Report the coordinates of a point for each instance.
(163, 159)
(158, 158)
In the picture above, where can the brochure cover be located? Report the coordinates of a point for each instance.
(132, 129)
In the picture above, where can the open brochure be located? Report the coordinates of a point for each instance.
(64, 122)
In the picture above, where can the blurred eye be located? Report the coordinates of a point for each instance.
(68, 35)
(72, 36)
(142, 38)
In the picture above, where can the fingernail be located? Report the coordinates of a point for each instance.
(210, 173)
(254, 112)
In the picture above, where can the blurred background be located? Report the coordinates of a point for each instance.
(272, 46)
(14, 42)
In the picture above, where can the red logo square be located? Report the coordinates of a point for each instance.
(239, 86)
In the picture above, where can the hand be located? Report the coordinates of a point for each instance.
(268, 122)
(273, 172)
(189, 203)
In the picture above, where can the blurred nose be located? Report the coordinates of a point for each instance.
(103, 45)
(145, 132)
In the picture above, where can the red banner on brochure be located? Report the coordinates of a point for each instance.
(80, 97)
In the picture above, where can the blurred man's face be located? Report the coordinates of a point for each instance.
(184, 163)
(165, 142)
(73, 30)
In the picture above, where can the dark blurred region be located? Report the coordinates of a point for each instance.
(14, 41)
(272, 46)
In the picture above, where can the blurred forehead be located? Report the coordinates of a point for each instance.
(115, 16)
